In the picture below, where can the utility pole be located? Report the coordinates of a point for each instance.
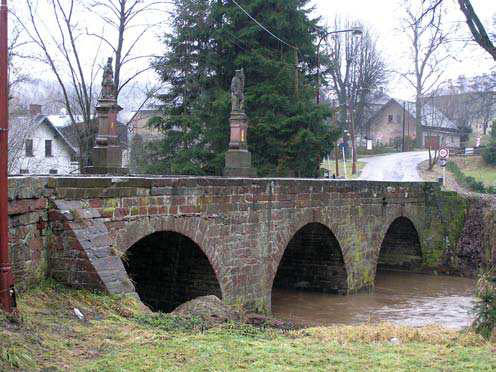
(7, 293)
(297, 78)
(403, 137)
(336, 152)
(353, 145)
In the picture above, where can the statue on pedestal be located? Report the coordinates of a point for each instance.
(238, 158)
(238, 92)
(108, 86)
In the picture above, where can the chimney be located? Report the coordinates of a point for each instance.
(34, 110)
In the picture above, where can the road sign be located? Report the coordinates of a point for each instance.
(443, 153)
(443, 162)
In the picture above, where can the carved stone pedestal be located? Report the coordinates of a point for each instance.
(238, 164)
(238, 158)
(106, 155)
(106, 160)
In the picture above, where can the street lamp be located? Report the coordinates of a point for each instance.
(355, 31)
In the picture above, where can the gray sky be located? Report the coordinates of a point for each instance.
(381, 16)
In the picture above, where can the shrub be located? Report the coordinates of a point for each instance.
(485, 309)
(489, 152)
(469, 181)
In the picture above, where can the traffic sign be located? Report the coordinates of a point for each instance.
(444, 153)
(443, 162)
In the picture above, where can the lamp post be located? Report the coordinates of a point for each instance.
(323, 36)
(6, 280)
(352, 133)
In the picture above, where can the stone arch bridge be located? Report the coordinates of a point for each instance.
(170, 239)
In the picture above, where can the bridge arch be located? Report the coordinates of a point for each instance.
(310, 258)
(168, 264)
(400, 245)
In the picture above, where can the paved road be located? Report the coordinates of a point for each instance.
(393, 167)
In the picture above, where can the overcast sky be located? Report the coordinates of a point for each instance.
(381, 16)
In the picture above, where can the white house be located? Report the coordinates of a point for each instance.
(44, 150)
(48, 144)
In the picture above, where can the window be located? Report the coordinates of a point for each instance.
(29, 147)
(23, 171)
(48, 148)
(390, 118)
(53, 171)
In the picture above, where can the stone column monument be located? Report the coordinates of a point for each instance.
(238, 158)
(107, 152)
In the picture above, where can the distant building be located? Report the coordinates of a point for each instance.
(386, 125)
(138, 123)
(49, 144)
(45, 151)
(469, 102)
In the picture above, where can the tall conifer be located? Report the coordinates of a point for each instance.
(288, 134)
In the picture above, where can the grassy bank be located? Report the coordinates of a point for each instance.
(117, 335)
(332, 167)
(474, 166)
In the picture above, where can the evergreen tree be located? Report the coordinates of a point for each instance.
(288, 134)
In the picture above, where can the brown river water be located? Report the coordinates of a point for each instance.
(401, 298)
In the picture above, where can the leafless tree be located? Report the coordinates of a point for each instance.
(60, 48)
(355, 69)
(20, 129)
(483, 95)
(468, 102)
(122, 17)
(428, 41)
(64, 48)
(17, 74)
(477, 29)
(480, 34)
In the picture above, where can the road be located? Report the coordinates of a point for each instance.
(393, 167)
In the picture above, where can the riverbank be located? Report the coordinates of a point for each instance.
(117, 334)
(470, 166)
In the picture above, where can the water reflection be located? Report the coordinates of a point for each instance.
(403, 298)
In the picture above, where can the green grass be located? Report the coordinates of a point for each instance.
(472, 139)
(119, 335)
(474, 166)
(349, 165)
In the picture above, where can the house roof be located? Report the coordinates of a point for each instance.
(40, 119)
(63, 126)
(431, 116)
(379, 98)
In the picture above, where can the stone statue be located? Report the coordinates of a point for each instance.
(108, 87)
(237, 91)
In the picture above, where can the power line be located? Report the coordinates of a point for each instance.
(262, 26)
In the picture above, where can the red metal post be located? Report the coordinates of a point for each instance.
(6, 279)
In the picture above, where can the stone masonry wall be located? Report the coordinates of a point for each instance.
(243, 226)
(28, 233)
